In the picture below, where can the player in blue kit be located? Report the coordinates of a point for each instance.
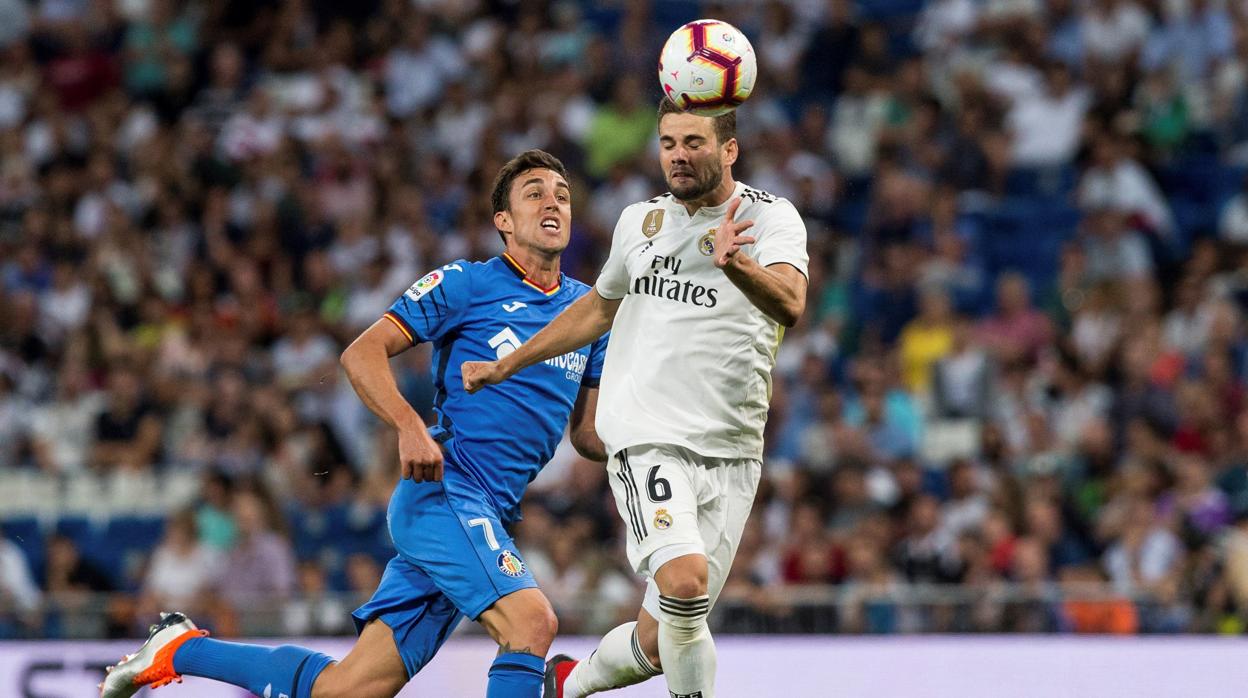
(462, 480)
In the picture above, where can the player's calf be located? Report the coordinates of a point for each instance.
(684, 638)
(524, 626)
(372, 669)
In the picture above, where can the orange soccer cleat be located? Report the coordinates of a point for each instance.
(152, 665)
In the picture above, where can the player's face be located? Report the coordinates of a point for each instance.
(693, 160)
(541, 211)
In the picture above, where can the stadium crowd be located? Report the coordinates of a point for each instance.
(1019, 383)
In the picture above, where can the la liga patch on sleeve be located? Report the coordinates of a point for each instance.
(427, 283)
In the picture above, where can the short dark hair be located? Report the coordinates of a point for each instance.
(724, 125)
(500, 198)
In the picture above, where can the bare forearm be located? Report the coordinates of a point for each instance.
(368, 368)
(768, 289)
(584, 435)
(581, 323)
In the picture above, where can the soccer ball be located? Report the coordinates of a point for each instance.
(707, 67)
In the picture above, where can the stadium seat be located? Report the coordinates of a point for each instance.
(133, 538)
(27, 533)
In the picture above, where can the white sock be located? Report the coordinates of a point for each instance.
(618, 662)
(686, 647)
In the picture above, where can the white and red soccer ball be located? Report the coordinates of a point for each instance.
(707, 67)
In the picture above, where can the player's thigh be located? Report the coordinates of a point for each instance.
(456, 538)
(728, 494)
(522, 621)
(372, 669)
(722, 525)
(657, 492)
(418, 615)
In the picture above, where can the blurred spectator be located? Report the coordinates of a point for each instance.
(314, 611)
(928, 553)
(1016, 331)
(962, 380)
(127, 430)
(1045, 124)
(1117, 182)
(182, 568)
(1233, 220)
(1194, 38)
(418, 68)
(811, 557)
(261, 564)
(1145, 556)
(19, 595)
(926, 339)
(68, 574)
(620, 130)
(1114, 29)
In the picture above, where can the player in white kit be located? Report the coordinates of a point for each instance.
(696, 310)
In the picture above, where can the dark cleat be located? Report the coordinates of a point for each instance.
(557, 669)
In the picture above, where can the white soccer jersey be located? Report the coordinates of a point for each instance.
(690, 357)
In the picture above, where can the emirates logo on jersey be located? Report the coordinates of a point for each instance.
(664, 281)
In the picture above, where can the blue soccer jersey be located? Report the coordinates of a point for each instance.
(481, 311)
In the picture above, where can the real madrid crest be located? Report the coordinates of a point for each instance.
(662, 519)
(706, 243)
(652, 223)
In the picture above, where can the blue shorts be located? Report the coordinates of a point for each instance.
(455, 560)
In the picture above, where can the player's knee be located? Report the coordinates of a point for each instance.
(531, 628)
(684, 577)
(544, 624)
(547, 624)
(686, 587)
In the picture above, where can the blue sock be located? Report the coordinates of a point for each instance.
(265, 671)
(516, 675)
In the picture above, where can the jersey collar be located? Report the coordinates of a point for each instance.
(523, 275)
(677, 207)
(720, 210)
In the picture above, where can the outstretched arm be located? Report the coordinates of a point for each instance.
(779, 289)
(579, 324)
(367, 363)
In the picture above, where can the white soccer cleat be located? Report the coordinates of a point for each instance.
(152, 665)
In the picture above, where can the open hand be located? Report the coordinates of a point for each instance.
(728, 237)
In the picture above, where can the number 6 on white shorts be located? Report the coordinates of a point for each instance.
(488, 527)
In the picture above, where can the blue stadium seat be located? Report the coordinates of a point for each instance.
(131, 540)
(881, 10)
(1057, 182)
(29, 537)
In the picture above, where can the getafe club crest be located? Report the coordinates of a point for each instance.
(706, 243)
(662, 519)
(652, 223)
(510, 564)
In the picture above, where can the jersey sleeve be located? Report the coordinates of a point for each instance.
(597, 354)
(781, 235)
(435, 304)
(613, 281)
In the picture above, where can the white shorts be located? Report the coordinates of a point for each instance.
(675, 502)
